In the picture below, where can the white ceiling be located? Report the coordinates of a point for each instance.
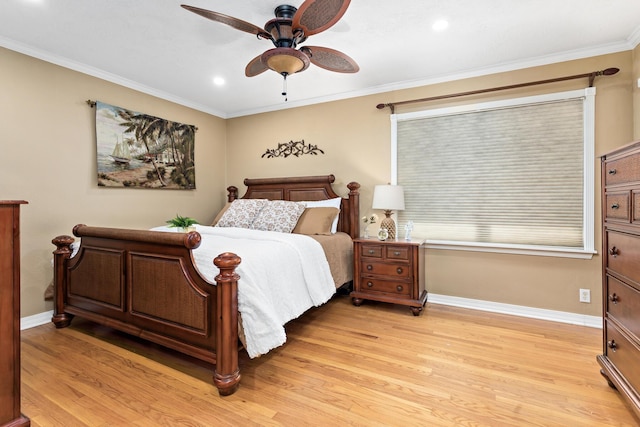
(159, 48)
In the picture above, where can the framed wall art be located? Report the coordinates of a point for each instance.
(137, 150)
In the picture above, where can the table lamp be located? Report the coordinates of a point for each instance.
(388, 198)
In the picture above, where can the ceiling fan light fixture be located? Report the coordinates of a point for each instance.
(285, 60)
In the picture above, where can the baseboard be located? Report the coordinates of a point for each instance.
(518, 310)
(475, 304)
(36, 320)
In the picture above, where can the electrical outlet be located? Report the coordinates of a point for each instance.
(585, 295)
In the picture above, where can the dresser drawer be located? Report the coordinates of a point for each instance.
(617, 206)
(382, 269)
(369, 284)
(623, 354)
(623, 254)
(397, 253)
(623, 304)
(622, 171)
(372, 251)
(635, 203)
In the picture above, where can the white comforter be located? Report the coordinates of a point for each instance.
(281, 276)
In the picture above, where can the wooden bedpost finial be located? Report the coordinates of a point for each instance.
(227, 374)
(60, 256)
(232, 193)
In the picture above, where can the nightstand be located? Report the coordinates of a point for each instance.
(389, 271)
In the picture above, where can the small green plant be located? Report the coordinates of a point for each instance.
(181, 221)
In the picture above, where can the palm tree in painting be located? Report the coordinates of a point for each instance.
(158, 135)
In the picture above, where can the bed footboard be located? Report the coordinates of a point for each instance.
(145, 283)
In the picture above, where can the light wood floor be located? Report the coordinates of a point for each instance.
(374, 365)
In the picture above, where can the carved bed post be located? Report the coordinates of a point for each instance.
(232, 193)
(354, 209)
(60, 256)
(227, 373)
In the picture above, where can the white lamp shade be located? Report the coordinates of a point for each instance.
(388, 197)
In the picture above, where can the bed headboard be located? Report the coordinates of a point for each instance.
(302, 188)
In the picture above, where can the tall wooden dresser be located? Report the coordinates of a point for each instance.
(620, 360)
(10, 315)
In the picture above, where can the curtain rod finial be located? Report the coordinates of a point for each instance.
(381, 106)
(610, 71)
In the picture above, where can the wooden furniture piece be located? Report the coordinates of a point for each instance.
(145, 282)
(10, 315)
(389, 271)
(620, 360)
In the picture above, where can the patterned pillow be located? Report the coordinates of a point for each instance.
(241, 213)
(278, 215)
(222, 211)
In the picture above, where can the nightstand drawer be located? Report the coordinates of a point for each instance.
(381, 269)
(372, 251)
(385, 286)
(397, 252)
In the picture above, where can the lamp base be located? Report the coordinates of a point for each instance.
(389, 224)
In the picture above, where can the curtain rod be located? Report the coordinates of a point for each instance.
(591, 76)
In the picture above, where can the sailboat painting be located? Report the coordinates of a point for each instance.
(136, 150)
(121, 152)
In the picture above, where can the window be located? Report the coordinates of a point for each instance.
(508, 176)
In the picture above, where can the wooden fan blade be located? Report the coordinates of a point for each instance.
(315, 16)
(330, 59)
(236, 23)
(255, 67)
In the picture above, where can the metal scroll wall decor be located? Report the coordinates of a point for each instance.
(292, 148)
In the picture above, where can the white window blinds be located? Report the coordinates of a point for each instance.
(505, 173)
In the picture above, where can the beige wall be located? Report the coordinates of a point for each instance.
(49, 159)
(356, 139)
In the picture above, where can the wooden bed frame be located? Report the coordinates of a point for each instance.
(145, 283)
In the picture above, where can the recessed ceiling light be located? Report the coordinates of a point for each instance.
(440, 25)
(218, 81)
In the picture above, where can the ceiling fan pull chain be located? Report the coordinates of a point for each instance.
(284, 87)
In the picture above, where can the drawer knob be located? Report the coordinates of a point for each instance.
(399, 288)
(615, 206)
(612, 345)
(612, 171)
(614, 298)
(369, 267)
(396, 253)
(614, 251)
(399, 270)
(369, 284)
(371, 251)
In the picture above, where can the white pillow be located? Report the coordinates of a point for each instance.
(241, 213)
(332, 203)
(278, 215)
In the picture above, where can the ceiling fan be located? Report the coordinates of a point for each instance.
(286, 31)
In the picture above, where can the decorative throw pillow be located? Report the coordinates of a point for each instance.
(242, 213)
(335, 203)
(278, 215)
(316, 221)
